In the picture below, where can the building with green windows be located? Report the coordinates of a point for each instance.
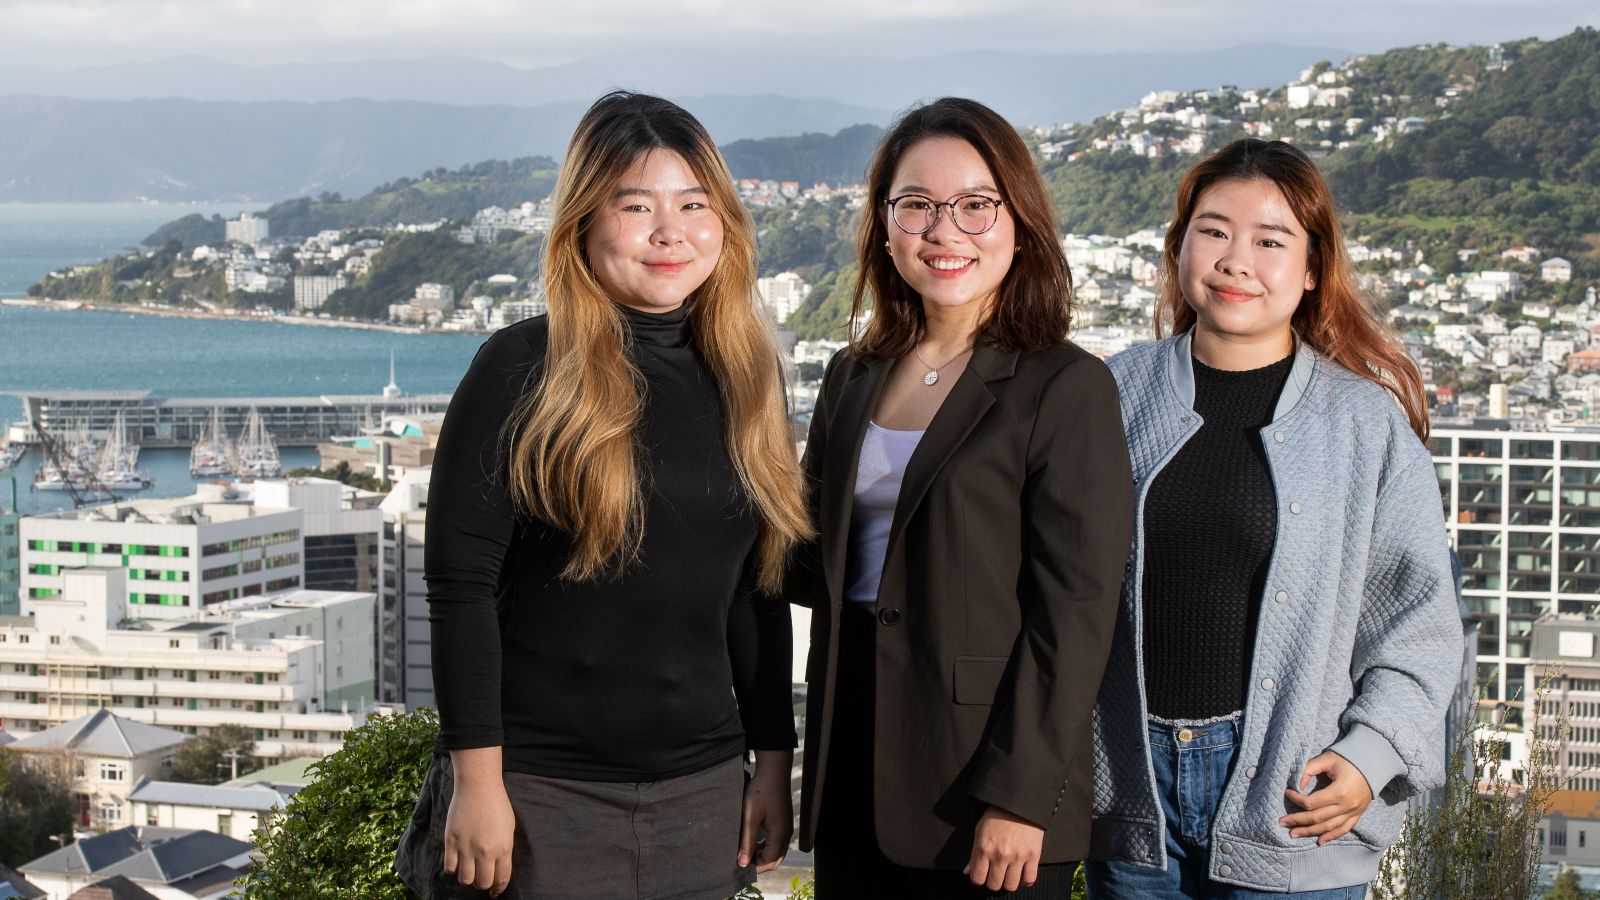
(181, 555)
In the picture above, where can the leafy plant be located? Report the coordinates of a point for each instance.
(337, 837)
(1477, 836)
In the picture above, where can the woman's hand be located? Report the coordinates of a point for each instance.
(768, 811)
(1332, 810)
(480, 826)
(1005, 851)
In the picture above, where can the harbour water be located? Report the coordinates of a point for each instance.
(42, 349)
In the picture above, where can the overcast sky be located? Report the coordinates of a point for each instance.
(68, 33)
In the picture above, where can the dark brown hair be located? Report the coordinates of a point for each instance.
(1334, 317)
(1033, 307)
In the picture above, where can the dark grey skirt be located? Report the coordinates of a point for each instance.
(676, 839)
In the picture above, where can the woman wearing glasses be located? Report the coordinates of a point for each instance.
(973, 502)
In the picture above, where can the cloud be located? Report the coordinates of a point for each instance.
(79, 32)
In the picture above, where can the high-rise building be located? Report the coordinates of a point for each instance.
(10, 549)
(181, 555)
(1523, 510)
(1564, 662)
(343, 532)
(297, 667)
(311, 291)
(405, 513)
(247, 229)
(783, 292)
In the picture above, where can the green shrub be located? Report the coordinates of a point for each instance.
(337, 837)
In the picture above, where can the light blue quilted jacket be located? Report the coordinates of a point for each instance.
(1359, 643)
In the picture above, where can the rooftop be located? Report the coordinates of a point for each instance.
(256, 795)
(102, 733)
(147, 854)
(191, 510)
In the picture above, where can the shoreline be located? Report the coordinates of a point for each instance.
(170, 312)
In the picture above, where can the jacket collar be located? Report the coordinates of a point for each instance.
(1180, 373)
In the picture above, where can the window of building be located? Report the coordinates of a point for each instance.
(113, 772)
(111, 813)
(55, 639)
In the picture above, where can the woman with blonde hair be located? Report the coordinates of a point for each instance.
(614, 494)
(1289, 635)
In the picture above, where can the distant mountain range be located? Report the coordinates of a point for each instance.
(194, 128)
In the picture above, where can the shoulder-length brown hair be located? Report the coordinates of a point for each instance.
(1033, 308)
(1334, 316)
(573, 442)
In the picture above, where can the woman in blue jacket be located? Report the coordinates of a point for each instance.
(1289, 635)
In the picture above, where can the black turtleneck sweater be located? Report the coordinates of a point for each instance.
(677, 665)
(1210, 523)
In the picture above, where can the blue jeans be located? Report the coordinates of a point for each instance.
(1190, 776)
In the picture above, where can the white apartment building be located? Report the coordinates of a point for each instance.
(783, 293)
(1523, 509)
(344, 534)
(311, 291)
(247, 229)
(405, 513)
(438, 297)
(180, 555)
(295, 667)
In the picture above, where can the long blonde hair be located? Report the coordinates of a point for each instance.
(573, 443)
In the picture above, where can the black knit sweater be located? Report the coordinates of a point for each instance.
(674, 667)
(1210, 522)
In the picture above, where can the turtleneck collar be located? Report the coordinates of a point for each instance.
(667, 329)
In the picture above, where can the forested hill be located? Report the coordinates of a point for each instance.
(445, 194)
(1517, 159)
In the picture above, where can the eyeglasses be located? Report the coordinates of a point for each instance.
(972, 213)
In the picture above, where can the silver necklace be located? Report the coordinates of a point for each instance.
(932, 377)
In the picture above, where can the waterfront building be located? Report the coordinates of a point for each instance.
(1523, 510)
(405, 442)
(181, 556)
(513, 311)
(436, 297)
(154, 421)
(104, 755)
(405, 513)
(311, 291)
(296, 667)
(247, 229)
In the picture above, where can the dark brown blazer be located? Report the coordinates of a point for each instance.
(999, 593)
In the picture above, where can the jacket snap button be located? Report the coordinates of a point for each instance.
(1281, 596)
(1227, 847)
(1268, 683)
(1250, 772)
(1295, 508)
(1183, 419)
(889, 616)
(1225, 871)
(1185, 735)
(1279, 436)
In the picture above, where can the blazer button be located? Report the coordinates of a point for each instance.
(889, 616)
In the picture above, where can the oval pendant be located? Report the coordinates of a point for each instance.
(931, 378)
